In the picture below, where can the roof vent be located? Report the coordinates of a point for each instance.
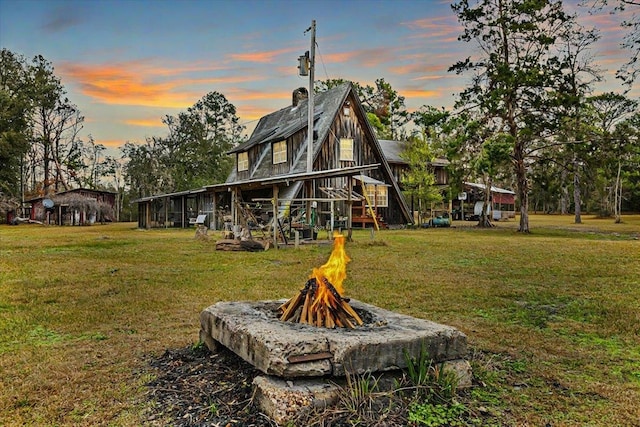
(298, 95)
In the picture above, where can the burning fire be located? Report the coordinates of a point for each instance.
(334, 270)
(321, 302)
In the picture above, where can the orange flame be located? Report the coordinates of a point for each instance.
(334, 271)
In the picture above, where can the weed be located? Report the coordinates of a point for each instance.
(431, 381)
(197, 346)
(213, 408)
(437, 415)
(358, 396)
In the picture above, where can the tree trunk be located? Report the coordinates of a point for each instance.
(564, 197)
(522, 187)
(577, 199)
(617, 206)
(485, 218)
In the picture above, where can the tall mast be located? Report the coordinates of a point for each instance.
(312, 61)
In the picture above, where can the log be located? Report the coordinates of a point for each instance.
(303, 308)
(239, 245)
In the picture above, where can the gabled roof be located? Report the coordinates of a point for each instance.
(393, 152)
(287, 121)
(73, 190)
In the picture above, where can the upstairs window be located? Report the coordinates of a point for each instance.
(243, 161)
(279, 152)
(346, 149)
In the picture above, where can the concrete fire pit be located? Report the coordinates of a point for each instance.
(303, 363)
(291, 350)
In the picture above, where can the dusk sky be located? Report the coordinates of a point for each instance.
(128, 63)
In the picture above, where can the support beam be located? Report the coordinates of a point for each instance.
(275, 216)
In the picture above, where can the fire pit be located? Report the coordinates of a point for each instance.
(293, 340)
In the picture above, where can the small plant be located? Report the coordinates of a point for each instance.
(436, 415)
(431, 381)
(358, 396)
(197, 346)
(213, 408)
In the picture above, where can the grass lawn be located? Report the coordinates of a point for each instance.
(552, 318)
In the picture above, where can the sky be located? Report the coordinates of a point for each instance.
(127, 64)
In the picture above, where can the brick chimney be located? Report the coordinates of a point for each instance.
(298, 95)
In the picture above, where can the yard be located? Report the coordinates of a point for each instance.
(552, 318)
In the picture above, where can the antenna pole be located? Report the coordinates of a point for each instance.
(312, 63)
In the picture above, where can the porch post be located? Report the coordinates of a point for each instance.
(349, 208)
(275, 216)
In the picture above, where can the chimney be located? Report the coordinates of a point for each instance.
(298, 95)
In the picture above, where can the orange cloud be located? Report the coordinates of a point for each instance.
(122, 85)
(112, 143)
(142, 83)
(421, 93)
(438, 27)
(421, 67)
(366, 57)
(155, 122)
(254, 95)
(252, 113)
(265, 57)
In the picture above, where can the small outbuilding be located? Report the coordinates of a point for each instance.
(80, 206)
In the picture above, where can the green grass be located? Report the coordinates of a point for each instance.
(552, 318)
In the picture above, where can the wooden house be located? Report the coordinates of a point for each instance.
(350, 181)
(393, 153)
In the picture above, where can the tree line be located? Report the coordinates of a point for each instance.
(527, 119)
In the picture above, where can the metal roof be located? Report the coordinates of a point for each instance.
(493, 189)
(176, 194)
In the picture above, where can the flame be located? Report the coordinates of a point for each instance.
(334, 271)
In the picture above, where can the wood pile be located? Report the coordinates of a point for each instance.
(320, 304)
(241, 245)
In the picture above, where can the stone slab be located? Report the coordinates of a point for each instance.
(284, 401)
(253, 331)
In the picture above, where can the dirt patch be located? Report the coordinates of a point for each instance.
(194, 387)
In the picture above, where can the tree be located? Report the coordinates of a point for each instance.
(144, 172)
(516, 68)
(418, 181)
(196, 148)
(495, 155)
(14, 122)
(56, 123)
(577, 75)
(630, 70)
(385, 108)
(616, 117)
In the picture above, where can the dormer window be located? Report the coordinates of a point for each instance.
(346, 149)
(243, 161)
(279, 152)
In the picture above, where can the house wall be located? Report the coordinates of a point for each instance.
(352, 126)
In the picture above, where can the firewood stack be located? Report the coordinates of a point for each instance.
(320, 305)
(320, 302)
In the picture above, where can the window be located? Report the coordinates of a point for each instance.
(346, 149)
(378, 195)
(279, 152)
(243, 161)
